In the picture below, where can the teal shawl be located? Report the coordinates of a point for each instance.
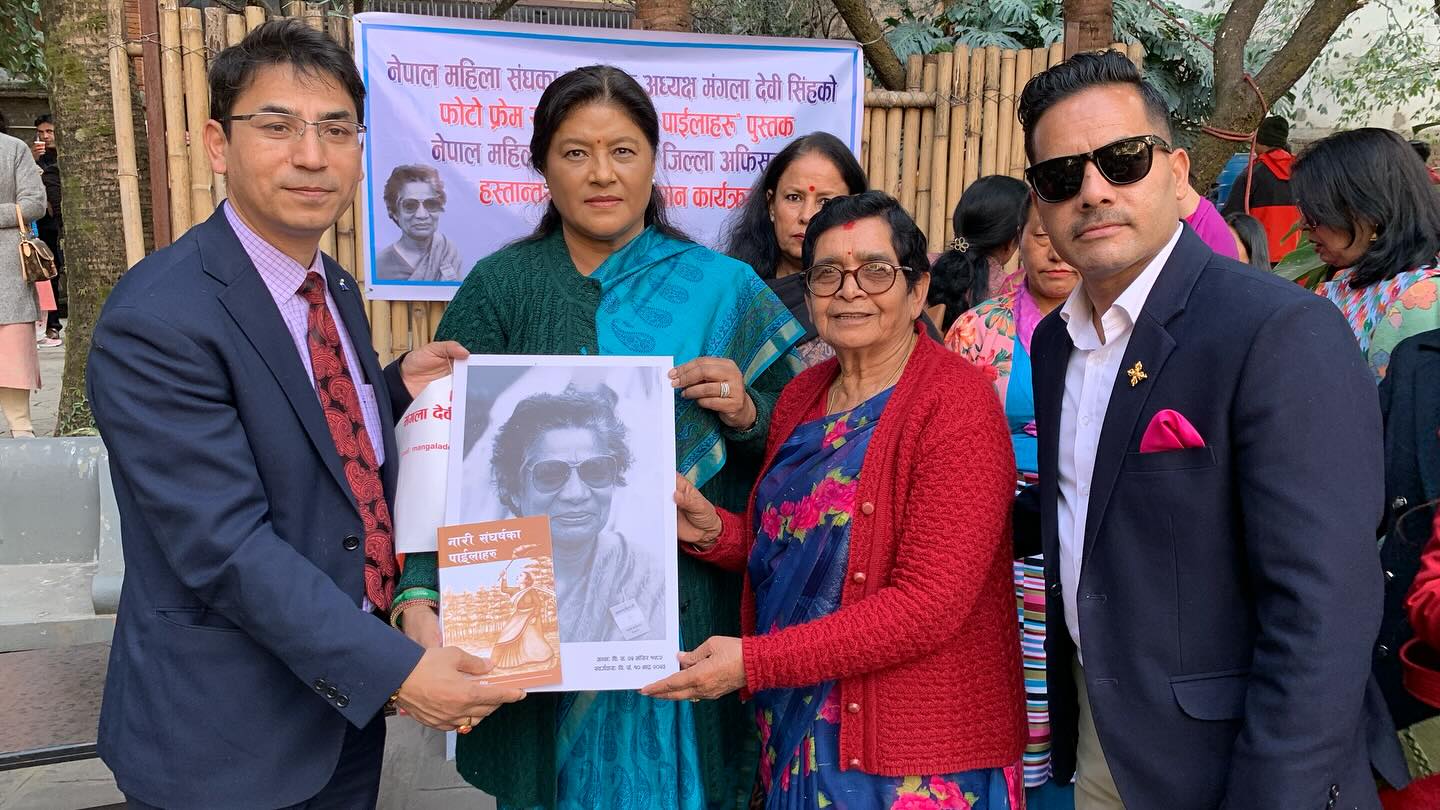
(658, 294)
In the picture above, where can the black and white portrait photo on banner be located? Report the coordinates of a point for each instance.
(589, 443)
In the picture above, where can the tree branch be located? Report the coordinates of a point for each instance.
(872, 39)
(1310, 37)
(500, 8)
(1230, 40)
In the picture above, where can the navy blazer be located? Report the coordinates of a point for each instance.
(1229, 594)
(240, 652)
(1410, 402)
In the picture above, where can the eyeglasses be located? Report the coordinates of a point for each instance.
(874, 278)
(597, 473)
(1123, 162)
(432, 205)
(285, 127)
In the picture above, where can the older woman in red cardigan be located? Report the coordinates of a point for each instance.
(880, 651)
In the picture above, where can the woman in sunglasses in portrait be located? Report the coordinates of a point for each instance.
(1367, 206)
(564, 455)
(415, 199)
(605, 273)
(879, 648)
(768, 232)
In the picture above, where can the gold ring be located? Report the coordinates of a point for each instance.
(467, 727)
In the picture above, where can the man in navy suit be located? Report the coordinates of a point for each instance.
(249, 426)
(1211, 480)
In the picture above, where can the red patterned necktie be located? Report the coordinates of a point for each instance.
(341, 403)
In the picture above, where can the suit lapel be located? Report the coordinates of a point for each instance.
(253, 309)
(1150, 345)
(352, 313)
(1052, 347)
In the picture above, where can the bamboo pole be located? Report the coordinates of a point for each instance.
(1017, 133)
(910, 140)
(959, 135)
(399, 328)
(924, 169)
(1136, 52)
(315, 15)
(172, 85)
(235, 29)
(939, 169)
(419, 323)
(894, 118)
(878, 145)
(127, 172)
(973, 118)
(990, 112)
(1057, 54)
(898, 98)
(1005, 125)
(254, 17)
(379, 312)
(865, 150)
(154, 85)
(214, 17)
(197, 112)
(437, 312)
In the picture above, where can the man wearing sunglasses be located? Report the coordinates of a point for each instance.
(250, 432)
(1208, 525)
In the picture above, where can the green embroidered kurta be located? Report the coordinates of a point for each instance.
(529, 298)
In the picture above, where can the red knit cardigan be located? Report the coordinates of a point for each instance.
(925, 644)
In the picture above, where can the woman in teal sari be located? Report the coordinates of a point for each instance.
(604, 273)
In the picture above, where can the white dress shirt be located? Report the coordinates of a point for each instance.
(1089, 379)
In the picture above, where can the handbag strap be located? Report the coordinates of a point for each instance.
(19, 220)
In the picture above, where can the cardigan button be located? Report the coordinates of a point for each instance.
(854, 764)
(867, 508)
(853, 708)
(858, 577)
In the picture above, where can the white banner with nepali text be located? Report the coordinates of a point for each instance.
(454, 101)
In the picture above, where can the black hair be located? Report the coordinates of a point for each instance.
(1422, 149)
(905, 237)
(1082, 72)
(991, 213)
(1252, 234)
(1371, 176)
(312, 54)
(540, 413)
(596, 84)
(44, 118)
(411, 173)
(751, 234)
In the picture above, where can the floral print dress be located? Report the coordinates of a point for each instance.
(797, 567)
(1387, 312)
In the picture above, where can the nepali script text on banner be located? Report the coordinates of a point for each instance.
(459, 97)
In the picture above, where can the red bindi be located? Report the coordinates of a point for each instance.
(812, 189)
(848, 226)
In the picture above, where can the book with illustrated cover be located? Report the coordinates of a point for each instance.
(497, 598)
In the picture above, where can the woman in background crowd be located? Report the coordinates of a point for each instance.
(1251, 240)
(22, 201)
(605, 273)
(1374, 218)
(769, 231)
(995, 337)
(880, 649)
(987, 229)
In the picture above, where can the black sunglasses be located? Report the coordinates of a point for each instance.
(1123, 162)
(598, 472)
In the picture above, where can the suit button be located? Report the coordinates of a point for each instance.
(351, 542)
(320, 684)
(1055, 588)
(1334, 792)
(867, 508)
(853, 708)
(342, 701)
(858, 577)
(331, 692)
(1389, 576)
(1400, 502)
(1380, 652)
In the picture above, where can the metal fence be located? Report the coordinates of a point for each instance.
(590, 15)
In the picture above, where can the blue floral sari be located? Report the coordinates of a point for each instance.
(797, 569)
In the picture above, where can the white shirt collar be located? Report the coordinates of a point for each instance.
(1122, 314)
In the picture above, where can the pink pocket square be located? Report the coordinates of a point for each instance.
(1170, 430)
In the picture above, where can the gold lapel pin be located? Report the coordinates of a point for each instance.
(1137, 373)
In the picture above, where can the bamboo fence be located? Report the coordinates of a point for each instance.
(954, 122)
